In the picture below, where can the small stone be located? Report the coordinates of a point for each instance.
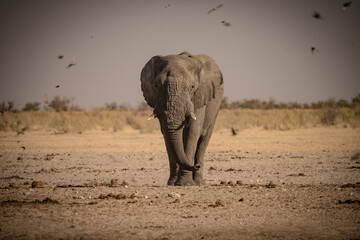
(271, 184)
(135, 196)
(49, 200)
(102, 196)
(222, 182)
(114, 182)
(174, 195)
(120, 196)
(231, 183)
(218, 203)
(37, 184)
(124, 184)
(49, 157)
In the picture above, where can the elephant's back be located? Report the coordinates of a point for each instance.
(206, 60)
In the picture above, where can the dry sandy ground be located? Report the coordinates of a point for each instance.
(296, 184)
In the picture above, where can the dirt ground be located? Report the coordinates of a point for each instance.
(296, 184)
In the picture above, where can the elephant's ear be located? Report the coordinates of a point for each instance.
(210, 86)
(149, 85)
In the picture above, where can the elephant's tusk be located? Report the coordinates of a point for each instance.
(193, 115)
(152, 116)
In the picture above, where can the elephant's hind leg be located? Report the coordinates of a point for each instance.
(200, 154)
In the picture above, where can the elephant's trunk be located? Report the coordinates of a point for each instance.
(174, 143)
(173, 111)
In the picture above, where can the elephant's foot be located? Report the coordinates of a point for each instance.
(172, 180)
(174, 171)
(185, 178)
(198, 178)
(200, 181)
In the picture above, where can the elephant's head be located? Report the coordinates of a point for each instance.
(176, 85)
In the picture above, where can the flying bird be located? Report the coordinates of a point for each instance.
(60, 57)
(72, 63)
(314, 50)
(167, 6)
(226, 24)
(57, 86)
(317, 15)
(345, 5)
(215, 8)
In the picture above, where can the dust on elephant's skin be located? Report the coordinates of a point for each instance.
(185, 91)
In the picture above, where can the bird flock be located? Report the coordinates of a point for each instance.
(317, 15)
(71, 64)
(225, 23)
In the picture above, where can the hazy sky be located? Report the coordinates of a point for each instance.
(264, 53)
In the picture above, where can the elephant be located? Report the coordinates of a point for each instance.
(185, 92)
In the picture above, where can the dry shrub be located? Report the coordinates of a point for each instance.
(14, 121)
(70, 122)
(328, 116)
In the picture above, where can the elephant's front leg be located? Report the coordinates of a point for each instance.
(185, 176)
(174, 171)
(190, 139)
(174, 167)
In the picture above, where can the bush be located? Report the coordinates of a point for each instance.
(32, 106)
(342, 103)
(114, 106)
(59, 104)
(355, 102)
(328, 116)
(111, 106)
(9, 107)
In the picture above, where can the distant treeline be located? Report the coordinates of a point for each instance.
(272, 104)
(59, 104)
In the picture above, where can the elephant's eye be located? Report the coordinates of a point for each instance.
(193, 86)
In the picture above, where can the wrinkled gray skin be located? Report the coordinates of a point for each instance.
(185, 91)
